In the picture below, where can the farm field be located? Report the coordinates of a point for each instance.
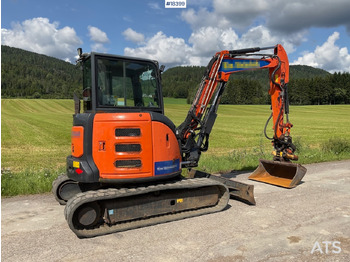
(35, 137)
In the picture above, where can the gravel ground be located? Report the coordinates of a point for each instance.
(285, 225)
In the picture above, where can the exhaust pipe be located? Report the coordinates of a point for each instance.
(284, 174)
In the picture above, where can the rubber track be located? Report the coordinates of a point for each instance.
(55, 184)
(113, 193)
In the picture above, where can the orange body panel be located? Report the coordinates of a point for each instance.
(155, 149)
(104, 141)
(166, 150)
(77, 138)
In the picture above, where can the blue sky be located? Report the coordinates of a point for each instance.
(314, 32)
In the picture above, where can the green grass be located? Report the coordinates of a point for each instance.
(176, 101)
(35, 134)
(28, 181)
(35, 138)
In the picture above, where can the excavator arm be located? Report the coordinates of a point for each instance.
(194, 132)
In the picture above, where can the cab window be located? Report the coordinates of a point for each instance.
(126, 84)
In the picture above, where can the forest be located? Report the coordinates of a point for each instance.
(29, 75)
(307, 86)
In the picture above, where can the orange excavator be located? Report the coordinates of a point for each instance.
(127, 157)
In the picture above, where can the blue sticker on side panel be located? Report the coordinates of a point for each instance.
(166, 167)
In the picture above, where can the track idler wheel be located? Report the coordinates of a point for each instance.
(64, 188)
(88, 215)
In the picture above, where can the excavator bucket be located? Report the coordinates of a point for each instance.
(278, 173)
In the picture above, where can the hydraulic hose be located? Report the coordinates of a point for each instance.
(277, 84)
(267, 122)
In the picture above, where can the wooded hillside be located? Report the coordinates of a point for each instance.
(30, 75)
(307, 86)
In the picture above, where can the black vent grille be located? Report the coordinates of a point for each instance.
(127, 132)
(128, 148)
(128, 163)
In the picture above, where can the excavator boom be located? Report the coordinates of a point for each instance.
(195, 130)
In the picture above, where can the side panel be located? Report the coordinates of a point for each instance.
(90, 174)
(166, 150)
(122, 145)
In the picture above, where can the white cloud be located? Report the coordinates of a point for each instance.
(98, 47)
(328, 56)
(170, 50)
(236, 24)
(40, 36)
(133, 36)
(204, 43)
(99, 39)
(204, 18)
(97, 35)
(199, 48)
(262, 36)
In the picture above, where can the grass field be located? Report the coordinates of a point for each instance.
(35, 138)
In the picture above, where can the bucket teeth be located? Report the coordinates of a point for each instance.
(284, 174)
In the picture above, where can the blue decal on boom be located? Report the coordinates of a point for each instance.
(166, 167)
(235, 65)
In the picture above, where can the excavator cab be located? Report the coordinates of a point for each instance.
(120, 83)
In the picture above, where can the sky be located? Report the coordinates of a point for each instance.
(313, 32)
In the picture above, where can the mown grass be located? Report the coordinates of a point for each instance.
(35, 138)
(35, 134)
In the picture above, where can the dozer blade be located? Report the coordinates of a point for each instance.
(278, 173)
(238, 190)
